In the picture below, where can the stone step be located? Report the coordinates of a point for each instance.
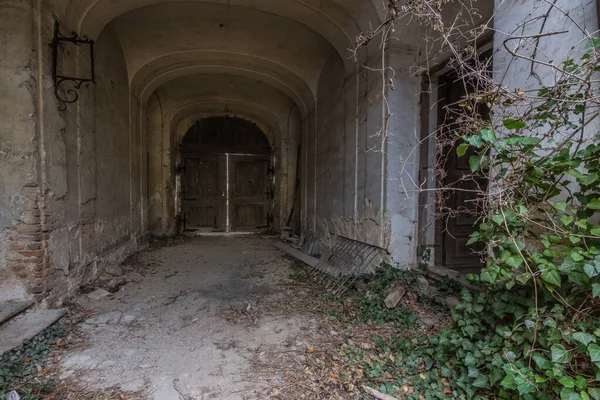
(26, 326)
(9, 309)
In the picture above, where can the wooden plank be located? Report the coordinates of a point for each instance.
(305, 258)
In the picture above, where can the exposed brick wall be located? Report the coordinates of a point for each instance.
(29, 256)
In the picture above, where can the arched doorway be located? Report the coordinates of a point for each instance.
(226, 177)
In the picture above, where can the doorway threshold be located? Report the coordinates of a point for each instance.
(222, 233)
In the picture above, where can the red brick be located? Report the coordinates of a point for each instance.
(29, 237)
(31, 217)
(39, 289)
(28, 229)
(39, 267)
(23, 275)
(32, 261)
(18, 267)
(34, 246)
(17, 246)
(32, 253)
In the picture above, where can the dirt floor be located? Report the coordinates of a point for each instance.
(215, 318)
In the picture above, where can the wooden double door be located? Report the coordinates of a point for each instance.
(226, 192)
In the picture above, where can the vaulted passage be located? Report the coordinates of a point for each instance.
(203, 116)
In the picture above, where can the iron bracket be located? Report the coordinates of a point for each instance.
(71, 94)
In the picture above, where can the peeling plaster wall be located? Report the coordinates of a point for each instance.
(360, 177)
(18, 174)
(98, 185)
(508, 17)
(155, 152)
(402, 159)
(71, 195)
(344, 163)
(115, 150)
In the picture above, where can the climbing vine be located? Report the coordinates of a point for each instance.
(533, 332)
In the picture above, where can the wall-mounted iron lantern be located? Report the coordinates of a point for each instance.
(59, 73)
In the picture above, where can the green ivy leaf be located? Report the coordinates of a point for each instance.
(560, 354)
(475, 140)
(523, 278)
(592, 44)
(590, 270)
(475, 163)
(481, 382)
(462, 149)
(567, 382)
(560, 205)
(488, 275)
(596, 290)
(594, 393)
(584, 396)
(582, 223)
(587, 180)
(514, 261)
(595, 231)
(594, 204)
(580, 382)
(552, 277)
(566, 220)
(488, 135)
(513, 124)
(498, 219)
(569, 394)
(583, 338)
(541, 361)
(594, 352)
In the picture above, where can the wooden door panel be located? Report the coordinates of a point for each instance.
(203, 181)
(201, 178)
(249, 216)
(250, 178)
(249, 192)
(201, 217)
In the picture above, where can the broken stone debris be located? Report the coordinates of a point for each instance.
(98, 294)
(115, 284)
(127, 319)
(107, 318)
(114, 270)
(392, 299)
(13, 396)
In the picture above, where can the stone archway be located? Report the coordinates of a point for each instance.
(226, 177)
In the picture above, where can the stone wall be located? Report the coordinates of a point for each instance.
(71, 180)
(355, 164)
(21, 249)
